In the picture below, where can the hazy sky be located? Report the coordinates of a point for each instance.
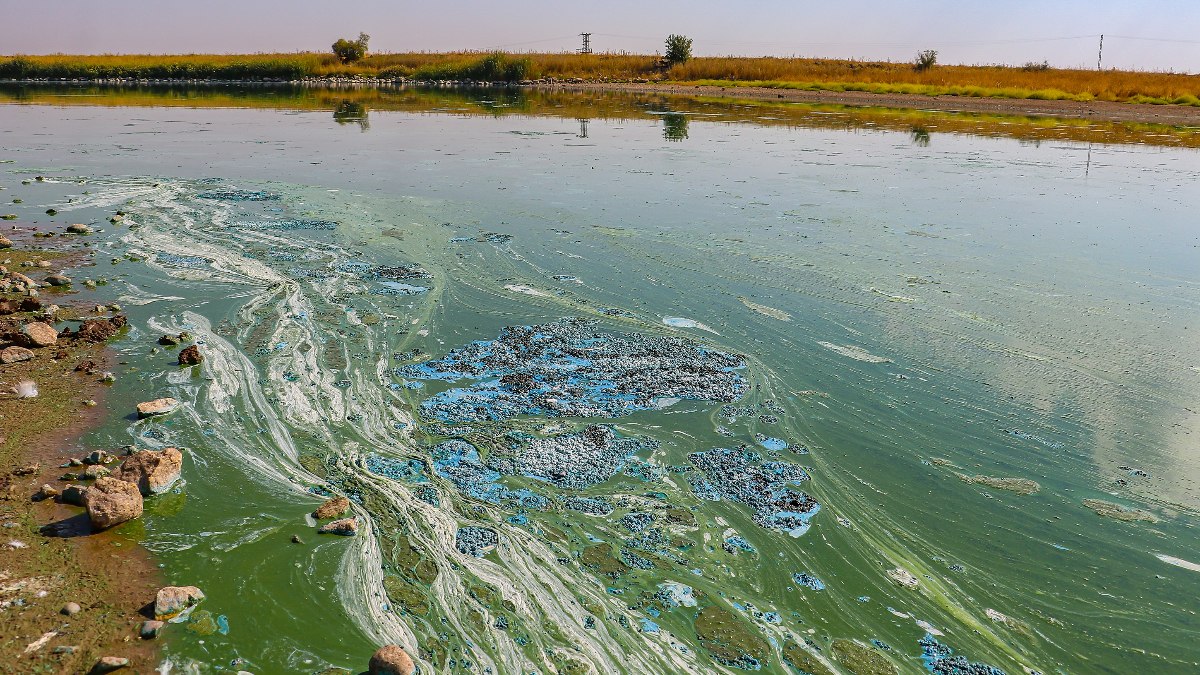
(1146, 34)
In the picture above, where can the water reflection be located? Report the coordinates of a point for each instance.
(352, 112)
(351, 106)
(920, 137)
(675, 127)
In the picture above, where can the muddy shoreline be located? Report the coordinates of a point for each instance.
(109, 575)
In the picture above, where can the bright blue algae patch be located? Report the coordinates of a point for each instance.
(765, 488)
(568, 368)
(808, 581)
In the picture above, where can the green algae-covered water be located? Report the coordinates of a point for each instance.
(677, 389)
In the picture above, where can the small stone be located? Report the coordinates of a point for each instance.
(108, 664)
(391, 660)
(150, 629)
(58, 280)
(160, 406)
(190, 356)
(79, 228)
(168, 340)
(95, 471)
(332, 508)
(296, 539)
(5, 242)
(15, 354)
(347, 527)
(174, 603)
(75, 495)
(39, 334)
(97, 457)
(71, 609)
(65, 649)
(48, 492)
(27, 470)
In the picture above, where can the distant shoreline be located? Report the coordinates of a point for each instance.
(1148, 113)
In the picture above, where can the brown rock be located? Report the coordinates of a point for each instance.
(30, 305)
(5, 242)
(95, 471)
(58, 280)
(347, 527)
(111, 502)
(391, 660)
(332, 508)
(9, 307)
(39, 334)
(190, 356)
(176, 602)
(71, 609)
(154, 472)
(159, 406)
(100, 330)
(15, 354)
(79, 228)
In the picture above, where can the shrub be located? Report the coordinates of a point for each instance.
(679, 49)
(1035, 67)
(925, 59)
(348, 51)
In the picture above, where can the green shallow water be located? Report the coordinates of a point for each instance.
(910, 309)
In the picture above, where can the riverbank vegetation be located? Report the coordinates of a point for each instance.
(1034, 81)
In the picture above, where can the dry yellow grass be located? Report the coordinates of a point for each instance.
(824, 74)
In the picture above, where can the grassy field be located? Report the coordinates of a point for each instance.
(1030, 82)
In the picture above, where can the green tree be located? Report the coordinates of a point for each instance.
(350, 51)
(679, 49)
(925, 59)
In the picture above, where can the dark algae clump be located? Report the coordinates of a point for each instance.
(729, 640)
(860, 659)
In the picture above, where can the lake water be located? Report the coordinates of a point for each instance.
(740, 312)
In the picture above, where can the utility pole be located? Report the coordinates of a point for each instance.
(587, 43)
(1100, 56)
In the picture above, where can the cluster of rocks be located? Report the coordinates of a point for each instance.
(571, 368)
(334, 508)
(736, 475)
(116, 496)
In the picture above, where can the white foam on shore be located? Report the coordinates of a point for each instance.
(1178, 562)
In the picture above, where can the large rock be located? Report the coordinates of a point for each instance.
(111, 502)
(332, 508)
(347, 527)
(15, 354)
(39, 334)
(5, 242)
(159, 406)
(79, 228)
(58, 280)
(174, 603)
(154, 472)
(391, 660)
(190, 356)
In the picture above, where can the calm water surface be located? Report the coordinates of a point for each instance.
(908, 309)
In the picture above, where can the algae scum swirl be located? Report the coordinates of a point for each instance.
(528, 502)
(579, 436)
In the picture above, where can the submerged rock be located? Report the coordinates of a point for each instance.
(153, 472)
(160, 406)
(190, 356)
(111, 502)
(391, 660)
(332, 508)
(347, 527)
(174, 603)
